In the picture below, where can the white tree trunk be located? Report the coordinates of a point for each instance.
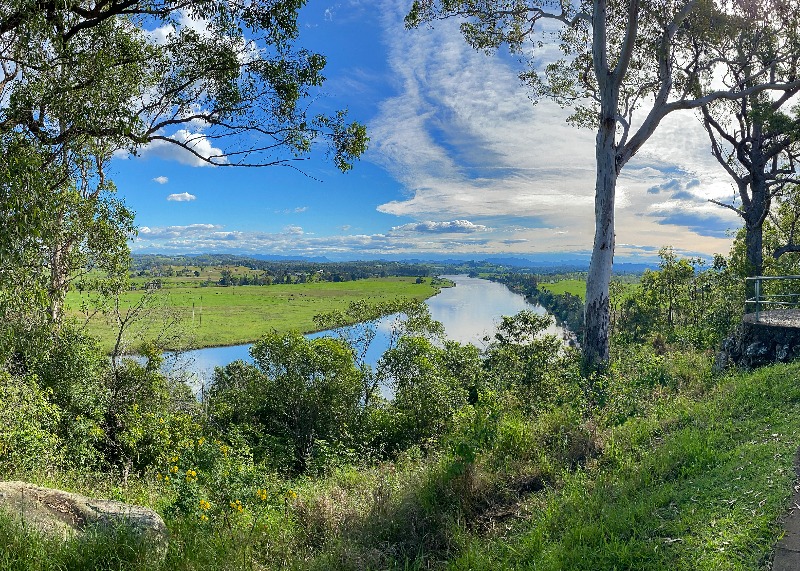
(597, 313)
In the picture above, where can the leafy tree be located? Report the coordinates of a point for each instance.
(427, 389)
(683, 301)
(134, 72)
(522, 359)
(755, 139)
(299, 393)
(628, 64)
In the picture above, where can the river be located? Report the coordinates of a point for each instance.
(469, 312)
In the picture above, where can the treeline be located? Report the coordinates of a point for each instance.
(268, 272)
(685, 301)
(566, 308)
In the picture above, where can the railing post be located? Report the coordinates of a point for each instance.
(758, 297)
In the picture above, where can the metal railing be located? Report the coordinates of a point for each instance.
(772, 295)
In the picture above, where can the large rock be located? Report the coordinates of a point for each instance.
(64, 514)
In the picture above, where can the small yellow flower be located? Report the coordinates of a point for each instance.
(203, 517)
(262, 494)
(174, 469)
(159, 476)
(205, 505)
(291, 495)
(166, 478)
(237, 505)
(200, 441)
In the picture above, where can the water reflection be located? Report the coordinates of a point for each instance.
(469, 312)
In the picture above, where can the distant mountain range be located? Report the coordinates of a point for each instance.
(565, 262)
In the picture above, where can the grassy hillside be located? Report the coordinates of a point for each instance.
(215, 316)
(688, 473)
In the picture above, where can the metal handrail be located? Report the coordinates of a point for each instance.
(760, 298)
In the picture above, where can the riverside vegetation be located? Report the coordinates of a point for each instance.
(501, 458)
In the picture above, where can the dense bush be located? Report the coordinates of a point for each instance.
(301, 397)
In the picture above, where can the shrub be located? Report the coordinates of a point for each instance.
(28, 438)
(299, 393)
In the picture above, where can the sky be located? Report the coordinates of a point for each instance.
(460, 163)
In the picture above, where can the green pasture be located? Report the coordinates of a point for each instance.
(560, 287)
(216, 316)
(578, 287)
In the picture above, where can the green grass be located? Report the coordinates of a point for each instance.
(578, 287)
(693, 486)
(216, 316)
(560, 287)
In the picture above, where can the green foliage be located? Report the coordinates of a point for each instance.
(426, 392)
(521, 358)
(29, 435)
(300, 392)
(682, 302)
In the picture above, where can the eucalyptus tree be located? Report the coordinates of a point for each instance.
(80, 81)
(756, 139)
(627, 65)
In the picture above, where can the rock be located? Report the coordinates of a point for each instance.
(64, 514)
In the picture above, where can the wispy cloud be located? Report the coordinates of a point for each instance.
(465, 141)
(182, 197)
(429, 227)
(298, 210)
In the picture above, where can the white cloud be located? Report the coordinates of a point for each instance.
(177, 232)
(161, 180)
(297, 210)
(182, 197)
(196, 141)
(293, 230)
(429, 227)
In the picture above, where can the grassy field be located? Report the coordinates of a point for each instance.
(578, 287)
(215, 316)
(560, 287)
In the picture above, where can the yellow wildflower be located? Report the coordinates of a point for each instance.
(174, 469)
(200, 441)
(203, 517)
(237, 505)
(205, 505)
(262, 494)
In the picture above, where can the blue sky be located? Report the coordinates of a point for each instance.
(460, 162)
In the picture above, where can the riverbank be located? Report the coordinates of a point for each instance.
(200, 317)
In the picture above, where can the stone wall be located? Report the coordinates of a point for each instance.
(756, 344)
